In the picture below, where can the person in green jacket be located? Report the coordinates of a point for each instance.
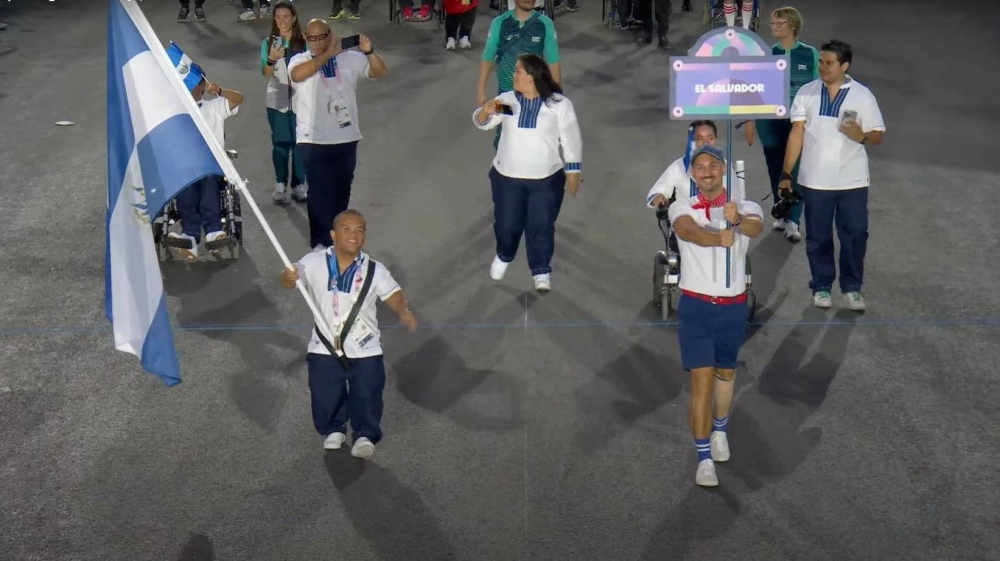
(786, 24)
(512, 34)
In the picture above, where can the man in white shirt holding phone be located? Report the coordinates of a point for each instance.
(833, 118)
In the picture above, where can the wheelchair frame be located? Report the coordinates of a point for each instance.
(713, 16)
(667, 272)
(232, 221)
(396, 13)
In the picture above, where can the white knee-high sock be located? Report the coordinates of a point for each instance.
(747, 13)
(729, 9)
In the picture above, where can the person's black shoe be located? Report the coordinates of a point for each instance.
(183, 15)
(572, 6)
(199, 14)
(687, 6)
(664, 43)
(646, 40)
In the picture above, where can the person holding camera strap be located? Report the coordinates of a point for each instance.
(833, 118)
(347, 375)
(325, 79)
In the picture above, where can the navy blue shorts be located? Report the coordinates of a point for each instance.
(710, 334)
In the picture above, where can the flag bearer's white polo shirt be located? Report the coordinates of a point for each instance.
(315, 123)
(830, 160)
(314, 270)
(703, 269)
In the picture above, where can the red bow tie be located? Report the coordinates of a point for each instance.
(708, 205)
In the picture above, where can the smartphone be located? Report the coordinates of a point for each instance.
(350, 42)
(848, 118)
(277, 40)
(506, 109)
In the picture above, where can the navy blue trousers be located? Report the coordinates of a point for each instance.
(199, 207)
(340, 395)
(850, 210)
(329, 173)
(528, 206)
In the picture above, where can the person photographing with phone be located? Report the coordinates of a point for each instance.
(528, 177)
(833, 118)
(325, 80)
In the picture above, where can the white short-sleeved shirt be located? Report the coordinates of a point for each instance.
(703, 269)
(314, 122)
(216, 111)
(676, 181)
(314, 270)
(831, 161)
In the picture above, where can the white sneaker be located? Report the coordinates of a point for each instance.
(265, 11)
(822, 299)
(215, 236)
(705, 476)
(301, 193)
(247, 15)
(779, 224)
(450, 45)
(792, 232)
(189, 254)
(363, 448)
(334, 440)
(281, 195)
(855, 302)
(543, 283)
(498, 269)
(464, 43)
(720, 446)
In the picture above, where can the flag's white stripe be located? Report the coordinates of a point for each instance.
(150, 97)
(135, 270)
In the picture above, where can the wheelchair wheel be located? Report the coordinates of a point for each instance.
(659, 276)
(666, 303)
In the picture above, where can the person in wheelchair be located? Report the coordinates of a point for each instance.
(676, 183)
(199, 205)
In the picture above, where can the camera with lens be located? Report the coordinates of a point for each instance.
(782, 208)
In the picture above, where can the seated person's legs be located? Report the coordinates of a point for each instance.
(423, 15)
(210, 209)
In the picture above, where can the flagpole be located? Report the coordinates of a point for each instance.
(218, 151)
(729, 189)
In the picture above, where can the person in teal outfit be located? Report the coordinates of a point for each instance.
(284, 42)
(786, 24)
(512, 34)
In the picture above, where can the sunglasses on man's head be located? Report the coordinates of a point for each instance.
(315, 38)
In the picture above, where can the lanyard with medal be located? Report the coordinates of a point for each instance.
(336, 107)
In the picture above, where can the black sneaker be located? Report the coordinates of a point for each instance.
(687, 6)
(199, 14)
(664, 43)
(572, 6)
(182, 16)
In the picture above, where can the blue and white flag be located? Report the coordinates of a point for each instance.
(156, 148)
(191, 73)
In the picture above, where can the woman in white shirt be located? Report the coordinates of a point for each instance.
(276, 50)
(528, 177)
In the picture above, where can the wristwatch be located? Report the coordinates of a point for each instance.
(369, 53)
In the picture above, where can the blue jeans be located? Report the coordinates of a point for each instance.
(330, 174)
(340, 395)
(850, 209)
(528, 206)
(199, 207)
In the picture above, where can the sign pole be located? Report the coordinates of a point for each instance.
(729, 190)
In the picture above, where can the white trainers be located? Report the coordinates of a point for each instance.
(247, 15)
(281, 195)
(779, 225)
(543, 283)
(705, 476)
(450, 45)
(189, 254)
(498, 269)
(334, 441)
(822, 299)
(855, 302)
(363, 448)
(265, 11)
(464, 43)
(792, 232)
(215, 236)
(301, 193)
(720, 446)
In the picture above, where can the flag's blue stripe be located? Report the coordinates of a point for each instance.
(172, 156)
(158, 355)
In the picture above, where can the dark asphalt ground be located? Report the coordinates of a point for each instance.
(517, 426)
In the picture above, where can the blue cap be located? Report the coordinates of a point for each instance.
(708, 149)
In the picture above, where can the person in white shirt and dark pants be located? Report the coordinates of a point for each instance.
(833, 118)
(327, 133)
(528, 177)
(712, 312)
(347, 375)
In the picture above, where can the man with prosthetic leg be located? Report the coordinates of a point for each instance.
(712, 311)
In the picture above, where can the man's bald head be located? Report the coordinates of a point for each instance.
(349, 214)
(317, 26)
(348, 233)
(318, 36)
